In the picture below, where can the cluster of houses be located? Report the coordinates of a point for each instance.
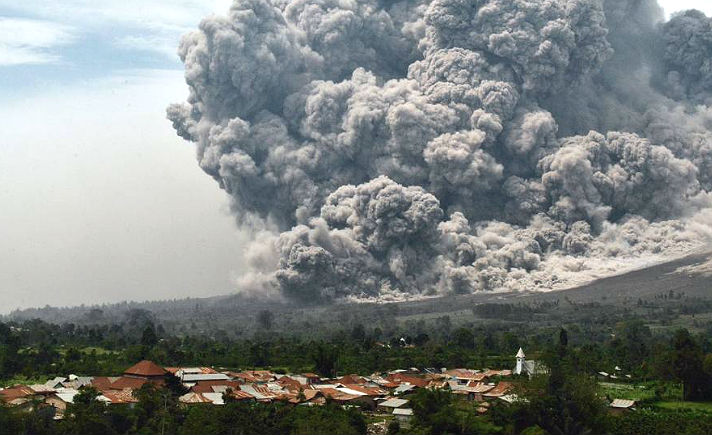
(381, 393)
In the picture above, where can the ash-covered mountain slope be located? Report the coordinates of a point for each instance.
(689, 279)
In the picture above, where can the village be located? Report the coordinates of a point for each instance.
(380, 395)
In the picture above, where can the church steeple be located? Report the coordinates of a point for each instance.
(520, 362)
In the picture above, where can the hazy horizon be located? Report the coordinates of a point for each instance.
(101, 201)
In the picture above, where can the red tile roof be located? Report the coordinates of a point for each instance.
(490, 373)
(194, 398)
(337, 395)
(479, 387)
(370, 391)
(467, 374)
(17, 392)
(241, 395)
(145, 369)
(400, 378)
(207, 386)
(103, 383)
(120, 396)
(254, 375)
(352, 379)
(500, 390)
(290, 384)
(311, 375)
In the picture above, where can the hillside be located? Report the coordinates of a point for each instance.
(665, 291)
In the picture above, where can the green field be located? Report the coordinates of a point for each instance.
(640, 392)
(89, 349)
(697, 406)
(23, 380)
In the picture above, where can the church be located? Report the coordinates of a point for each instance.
(528, 367)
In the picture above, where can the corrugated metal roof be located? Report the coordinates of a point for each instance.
(393, 403)
(622, 403)
(205, 377)
(403, 411)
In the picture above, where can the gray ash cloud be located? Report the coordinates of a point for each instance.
(382, 149)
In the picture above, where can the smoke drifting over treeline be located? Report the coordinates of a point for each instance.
(388, 148)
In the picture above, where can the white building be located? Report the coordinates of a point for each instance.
(527, 367)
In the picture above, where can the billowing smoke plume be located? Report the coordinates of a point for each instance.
(391, 148)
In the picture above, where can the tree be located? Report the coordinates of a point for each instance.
(688, 367)
(358, 333)
(325, 357)
(464, 338)
(174, 385)
(265, 318)
(566, 402)
(149, 338)
(10, 420)
(87, 415)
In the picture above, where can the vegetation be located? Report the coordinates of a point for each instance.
(670, 368)
(158, 413)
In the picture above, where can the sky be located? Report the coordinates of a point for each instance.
(100, 201)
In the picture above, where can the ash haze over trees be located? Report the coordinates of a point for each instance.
(382, 149)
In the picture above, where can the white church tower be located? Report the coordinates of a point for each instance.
(520, 362)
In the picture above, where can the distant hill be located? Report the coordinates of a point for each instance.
(687, 280)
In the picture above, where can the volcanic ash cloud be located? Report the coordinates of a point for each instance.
(389, 149)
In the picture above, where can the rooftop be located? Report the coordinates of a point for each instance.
(145, 368)
(393, 403)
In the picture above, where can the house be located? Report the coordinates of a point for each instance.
(346, 396)
(306, 397)
(260, 392)
(404, 389)
(77, 382)
(483, 408)
(373, 391)
(619, 406)
(403, 415)
(290, 383)
(510, 398)
(19, 395)
(60, 399)
(56, 382)
(119, 397)
(527, 367)
(492, 373)
(106, 383)
(401, 378)
(197, 377)
(146, 370)
(213, 386)
(500, 390)
(351, 379)
(472, 391)
(464, 376)
(312, 378)
(391, 404)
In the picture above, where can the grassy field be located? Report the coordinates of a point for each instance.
(23, 380)
(89, 349)
(639, 392)
(697, 406)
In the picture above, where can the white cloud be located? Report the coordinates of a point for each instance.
(27, 41)
(165, 44)
(145, 25)
(147, 14)
(672, 6)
